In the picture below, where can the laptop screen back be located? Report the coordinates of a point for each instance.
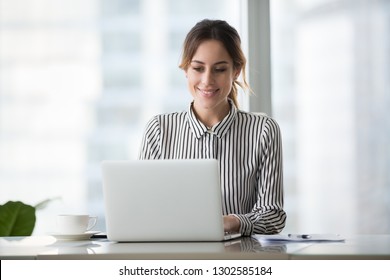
(162, 200)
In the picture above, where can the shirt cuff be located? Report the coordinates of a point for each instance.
(246, 226)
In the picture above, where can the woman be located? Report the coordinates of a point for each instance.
(247, 146)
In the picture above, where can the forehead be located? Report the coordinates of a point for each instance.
(210, 52)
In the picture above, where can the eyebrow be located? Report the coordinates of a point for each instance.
(219, 62)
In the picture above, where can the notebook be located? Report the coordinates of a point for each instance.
(163, 200)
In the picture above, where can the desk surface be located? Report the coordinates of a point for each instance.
(47, 247)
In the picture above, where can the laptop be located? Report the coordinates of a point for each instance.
(163, 200)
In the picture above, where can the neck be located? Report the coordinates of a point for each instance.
(212, 116)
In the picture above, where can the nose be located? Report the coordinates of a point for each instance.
(208, 78)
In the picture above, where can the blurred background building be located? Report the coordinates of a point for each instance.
(78, 82)
(331, 95)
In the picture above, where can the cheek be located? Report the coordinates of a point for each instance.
(192, 79)
(227, 81)
(190, 84)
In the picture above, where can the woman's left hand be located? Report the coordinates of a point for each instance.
(231, 223)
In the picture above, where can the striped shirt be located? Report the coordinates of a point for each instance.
(248, 149)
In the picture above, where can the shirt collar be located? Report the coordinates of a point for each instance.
(199, 129)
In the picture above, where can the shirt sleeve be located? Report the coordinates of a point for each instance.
(151, 144)
(267, 216)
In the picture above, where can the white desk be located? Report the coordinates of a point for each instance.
(366, 247)
(47, 247)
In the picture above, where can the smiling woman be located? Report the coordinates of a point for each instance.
(226, 48)
(247, 146)
(210, 77)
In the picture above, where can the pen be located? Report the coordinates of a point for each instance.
(303, 236)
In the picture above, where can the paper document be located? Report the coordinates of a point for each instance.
(300, 237)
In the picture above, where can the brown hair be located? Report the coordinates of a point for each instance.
(216, 30)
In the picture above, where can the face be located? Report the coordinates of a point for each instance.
(210, 77)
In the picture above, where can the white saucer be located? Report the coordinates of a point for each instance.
(81, 236)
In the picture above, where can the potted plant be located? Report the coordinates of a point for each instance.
(18, 218)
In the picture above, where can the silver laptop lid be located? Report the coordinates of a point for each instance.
(162, 200)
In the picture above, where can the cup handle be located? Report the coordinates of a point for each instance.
(92, 222)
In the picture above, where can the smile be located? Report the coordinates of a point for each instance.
(208, 92)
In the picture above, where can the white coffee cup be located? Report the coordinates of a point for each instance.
(75, 224)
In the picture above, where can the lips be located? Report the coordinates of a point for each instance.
(208, 92)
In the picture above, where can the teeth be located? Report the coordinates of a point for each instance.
(208, 91)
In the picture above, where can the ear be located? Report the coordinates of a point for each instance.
(237, 73)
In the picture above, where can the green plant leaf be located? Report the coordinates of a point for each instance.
(43, 204)
(16, 219)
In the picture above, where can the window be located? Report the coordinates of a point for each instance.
(78, 82)
(331, 69)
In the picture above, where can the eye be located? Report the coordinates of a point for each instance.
(220, 70)
(197, 69)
